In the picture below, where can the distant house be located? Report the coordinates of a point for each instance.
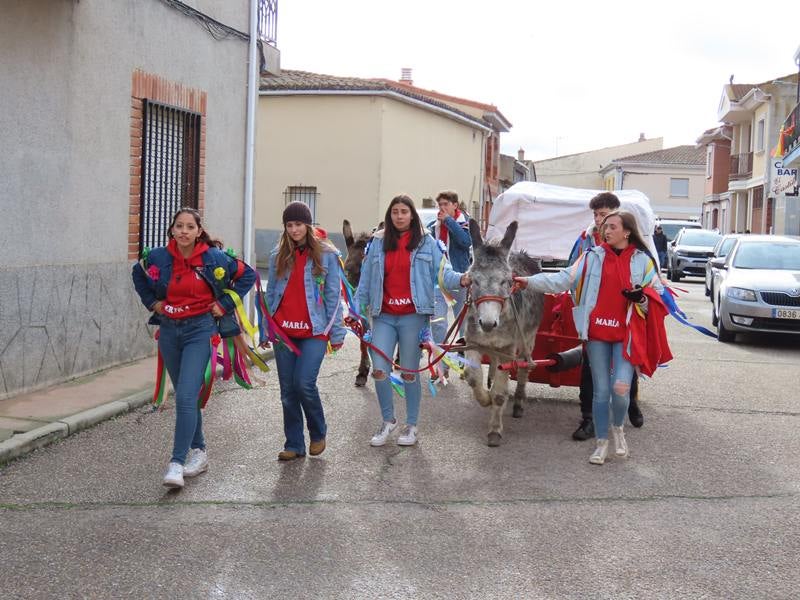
(582, 170)
(673, 179)
(755, 113)
(114, 115)
(716, 213)
(514, 170)
(346, 146)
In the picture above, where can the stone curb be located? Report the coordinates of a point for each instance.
(23, 443)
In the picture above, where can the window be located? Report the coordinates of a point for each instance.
(170, 169)
(760, 136)
(305, 194)
(678, 187)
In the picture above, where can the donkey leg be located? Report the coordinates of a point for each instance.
(474, 376)
(519, 393)
(492, 369)
(499, 395)
(363, 367)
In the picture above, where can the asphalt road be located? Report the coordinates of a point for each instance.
(705, 507)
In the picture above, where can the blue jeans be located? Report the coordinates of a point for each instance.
(609, 368)
(297, 376)
(185, 345)
(441, 310)
(387, 332)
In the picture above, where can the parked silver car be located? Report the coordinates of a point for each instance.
(688, 253)
(757, 287)
(721, 250)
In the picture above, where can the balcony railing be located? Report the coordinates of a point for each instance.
(789, 132)
(268, 21)
(741, 166)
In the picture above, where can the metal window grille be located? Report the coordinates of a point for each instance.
(268, 21)
(305, 194)
(170, 169)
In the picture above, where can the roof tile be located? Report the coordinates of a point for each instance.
(678, 155)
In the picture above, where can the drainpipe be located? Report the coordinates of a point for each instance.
(249, 169)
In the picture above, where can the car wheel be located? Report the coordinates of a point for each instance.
(724, 335)
(674, 276)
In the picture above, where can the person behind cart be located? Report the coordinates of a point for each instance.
(619, 313)
(660, 241)
(601, 206)
(451, 228)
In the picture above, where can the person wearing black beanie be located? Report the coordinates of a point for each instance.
(311, 317)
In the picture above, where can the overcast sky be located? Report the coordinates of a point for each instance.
(571, 76)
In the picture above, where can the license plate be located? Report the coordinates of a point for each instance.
(785, 313)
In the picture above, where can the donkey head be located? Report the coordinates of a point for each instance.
(491, 275)
(355, 253)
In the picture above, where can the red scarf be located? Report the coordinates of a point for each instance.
(443, 232)
(648, 336)
(607, 319)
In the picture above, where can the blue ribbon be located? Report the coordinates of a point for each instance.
(680, 316)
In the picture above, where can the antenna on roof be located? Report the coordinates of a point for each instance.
(730, 80)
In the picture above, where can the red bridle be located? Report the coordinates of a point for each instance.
(490, 298)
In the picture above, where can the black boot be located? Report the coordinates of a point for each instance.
(585, 430)
(634, 414)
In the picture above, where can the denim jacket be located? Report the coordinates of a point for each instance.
(326, 316)
(425, 260)
(643, 272)
(151, 291)
(458, 238)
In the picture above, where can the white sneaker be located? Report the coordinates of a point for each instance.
(600, 453)
(196, 463)
(620, 445)
(173, 478)
(408, 437)
(379, 439)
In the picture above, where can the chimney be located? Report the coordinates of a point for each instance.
(642, 138)
(521, 155)
(405, 76)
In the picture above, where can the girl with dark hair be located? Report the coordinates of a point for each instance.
(190, 285)
(396, 289)
(304, 297)
(619, 312)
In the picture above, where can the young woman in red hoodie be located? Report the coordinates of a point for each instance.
(304, 297)
(182, 284)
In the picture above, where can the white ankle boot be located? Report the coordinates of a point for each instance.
(600, 453)
(620, 445)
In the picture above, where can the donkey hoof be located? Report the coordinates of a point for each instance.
(361, 380)
(494, 439)
(517, 411)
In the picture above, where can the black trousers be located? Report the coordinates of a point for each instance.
(587, 388)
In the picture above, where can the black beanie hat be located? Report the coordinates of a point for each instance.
(297, 211)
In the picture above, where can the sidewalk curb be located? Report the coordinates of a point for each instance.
(23, 443)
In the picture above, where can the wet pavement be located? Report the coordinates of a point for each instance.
(706, 506)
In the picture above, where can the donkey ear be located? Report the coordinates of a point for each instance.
(475, 233)
(511, 233)
(347, 231)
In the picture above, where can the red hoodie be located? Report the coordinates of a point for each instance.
(607, 320)
(188, 294)
(292, 314)
(397, 279)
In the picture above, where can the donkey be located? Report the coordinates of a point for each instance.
(356, 248)
(500, 324)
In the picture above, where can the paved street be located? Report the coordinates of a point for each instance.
(707, 505)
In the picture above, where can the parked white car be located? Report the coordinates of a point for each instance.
(757, 287)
